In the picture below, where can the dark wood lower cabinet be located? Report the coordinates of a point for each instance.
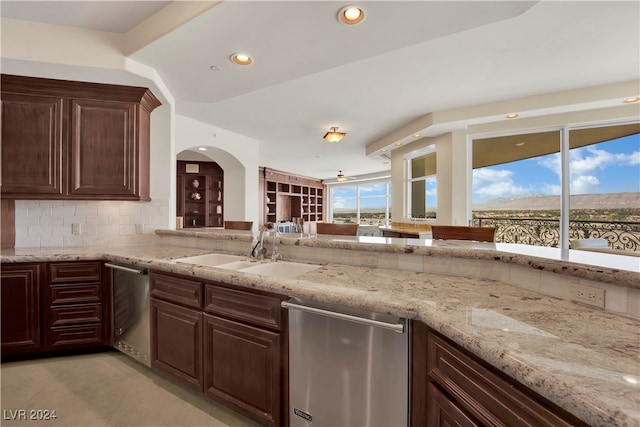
(176, 342)
(77, 306)
(452, 387)
(242, 368)
(48, 308)
(226, 341)
(442, 411)
(20, 293)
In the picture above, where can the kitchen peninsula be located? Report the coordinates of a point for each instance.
(487, 298)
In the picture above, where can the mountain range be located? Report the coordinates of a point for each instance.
(579, 201)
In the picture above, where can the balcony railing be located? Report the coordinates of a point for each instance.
(546, 232)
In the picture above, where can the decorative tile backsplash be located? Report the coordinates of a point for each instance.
(45, 223)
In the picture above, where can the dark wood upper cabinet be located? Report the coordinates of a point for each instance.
(31, 144)
(75, 140)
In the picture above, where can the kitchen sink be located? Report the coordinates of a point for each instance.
(211, 260)
(237, 265)
(280, 269)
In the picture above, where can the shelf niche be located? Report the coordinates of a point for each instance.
(200, 194)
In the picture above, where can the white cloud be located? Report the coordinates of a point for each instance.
(584, 164)
(584, 184)
(491, 183)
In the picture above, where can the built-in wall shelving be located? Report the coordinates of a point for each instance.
(288, 197)
(200, 195)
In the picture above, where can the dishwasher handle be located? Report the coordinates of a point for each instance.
(396, 327)
(126, 268)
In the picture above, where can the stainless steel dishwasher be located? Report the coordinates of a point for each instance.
(347, 368)
(131, 326)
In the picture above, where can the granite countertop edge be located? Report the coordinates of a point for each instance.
(324, 285)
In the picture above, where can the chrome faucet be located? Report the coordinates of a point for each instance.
(275, 255)
(259, 251)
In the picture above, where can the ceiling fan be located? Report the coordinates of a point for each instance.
(341, 177)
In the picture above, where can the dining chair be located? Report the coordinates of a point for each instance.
(337, 229)
(238, 225)
(459, 232)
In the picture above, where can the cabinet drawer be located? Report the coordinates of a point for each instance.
(75, 336)
(491, 399)
(75, 293)
(257, 309)
(74, 272)
(176, 289)
(75, 314)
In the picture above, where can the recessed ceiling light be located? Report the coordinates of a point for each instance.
(351, 15)
(519, 144)
(398, 144)
(632, 100)
(202, 148)
(384, 150)
(241, 59)
(512, 116)
(416, 135)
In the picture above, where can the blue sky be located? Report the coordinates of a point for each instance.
(607, 167)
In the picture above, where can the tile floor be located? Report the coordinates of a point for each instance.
(102, 390)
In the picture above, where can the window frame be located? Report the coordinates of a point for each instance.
(409, 180)
(565, 175)
(358, 184)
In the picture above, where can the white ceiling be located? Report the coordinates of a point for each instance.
(405, 60)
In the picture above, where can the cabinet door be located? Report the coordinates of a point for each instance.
(20, 294)
(104, 149)
(442, 412)
(31, 146)
(176, 342)
(242, 368)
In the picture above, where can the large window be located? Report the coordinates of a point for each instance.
(365, 203)
(422, 185)
(519, 182)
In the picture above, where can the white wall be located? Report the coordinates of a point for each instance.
(451, 178)
(237, 155)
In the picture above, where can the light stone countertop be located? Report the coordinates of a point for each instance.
(585, 360)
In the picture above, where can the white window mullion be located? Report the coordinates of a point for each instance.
(565, 183)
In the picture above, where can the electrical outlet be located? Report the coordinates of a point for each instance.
(369, 260)
(139, 229)
(588, 295)
(75, 229)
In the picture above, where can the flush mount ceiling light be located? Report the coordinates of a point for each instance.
(511, 116)
(241, 59)
(632, 100)
(351, 15)
(333, 135)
